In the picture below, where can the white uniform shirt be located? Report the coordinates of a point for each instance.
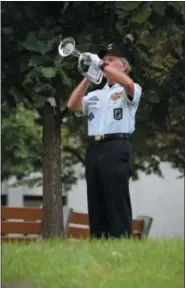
(109, 110)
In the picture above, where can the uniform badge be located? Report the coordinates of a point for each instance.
(94, 98)
(90, 116)
(117, 95)
(118, 113)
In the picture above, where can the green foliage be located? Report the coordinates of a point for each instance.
(153, 97)
(129, 6)
(22, 149)
(21, 142)
(142, 15)
(159, 55)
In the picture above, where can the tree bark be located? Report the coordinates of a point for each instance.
(52, 188)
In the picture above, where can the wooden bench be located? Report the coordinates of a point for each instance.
(147, 224)
(79, 226)
(25, 224)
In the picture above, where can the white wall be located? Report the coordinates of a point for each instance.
(162, 199)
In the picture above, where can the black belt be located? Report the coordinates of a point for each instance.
(113, 136)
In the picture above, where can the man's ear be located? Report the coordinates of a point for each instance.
(125, 66)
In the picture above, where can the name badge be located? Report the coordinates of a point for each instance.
(94, 104)
(118, 95)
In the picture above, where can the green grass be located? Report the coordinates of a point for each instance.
(95, 264)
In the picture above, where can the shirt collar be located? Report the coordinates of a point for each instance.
(106, 87)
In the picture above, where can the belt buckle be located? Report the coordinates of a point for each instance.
(99, 137)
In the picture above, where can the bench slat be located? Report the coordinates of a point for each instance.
(83, 219)
(24, 213)
(78, 233)
(21, 227)
(137, 225)
(80, 218)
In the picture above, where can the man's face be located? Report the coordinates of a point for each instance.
(115, 62)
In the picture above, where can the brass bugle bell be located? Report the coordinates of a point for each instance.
(67, 48)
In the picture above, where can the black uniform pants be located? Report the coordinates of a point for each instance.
(108, 165)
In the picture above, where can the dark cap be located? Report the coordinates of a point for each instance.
(116, 50)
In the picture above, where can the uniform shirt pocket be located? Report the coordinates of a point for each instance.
(115, 110)
(115, 103)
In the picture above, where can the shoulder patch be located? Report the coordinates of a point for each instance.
(94, 98)
(91, 116)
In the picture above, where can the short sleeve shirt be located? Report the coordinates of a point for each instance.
(110, 110)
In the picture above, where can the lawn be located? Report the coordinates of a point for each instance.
(95, 264)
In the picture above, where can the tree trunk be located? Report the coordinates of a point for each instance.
(52, 188)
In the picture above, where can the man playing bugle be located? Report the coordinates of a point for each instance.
(111, 121)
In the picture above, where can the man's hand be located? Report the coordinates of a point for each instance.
(86, 59)
(95, 60)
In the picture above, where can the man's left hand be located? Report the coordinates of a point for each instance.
(96, 61)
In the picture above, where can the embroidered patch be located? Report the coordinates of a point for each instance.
(90, 116)
(110, 46)
(94, 98)
(117, 95)
(118, 113)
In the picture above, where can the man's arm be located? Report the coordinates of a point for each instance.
(120, 78)
(75, 101)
